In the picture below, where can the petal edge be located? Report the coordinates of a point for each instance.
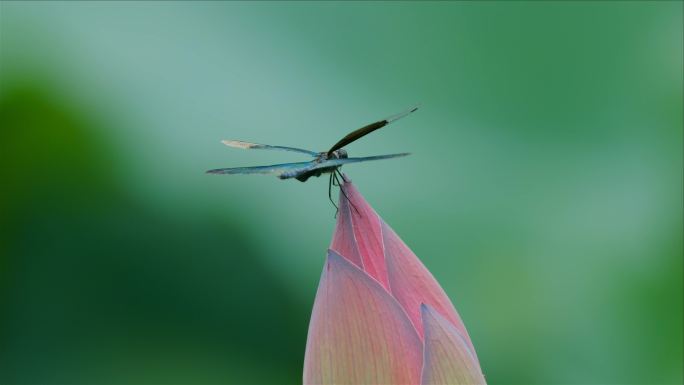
(412, 284)
(358, 333)
(447, 359)
(366, 225)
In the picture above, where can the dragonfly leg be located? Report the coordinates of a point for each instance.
(342, 189)
(330, 184)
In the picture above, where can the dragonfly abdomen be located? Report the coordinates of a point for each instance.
(304, 176)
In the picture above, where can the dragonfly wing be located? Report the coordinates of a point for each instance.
(275, 169)
(341, 161)
(402, 114)
(365, 130)
(258, 146)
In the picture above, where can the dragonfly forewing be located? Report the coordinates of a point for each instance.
(259, 146)
(275, 169)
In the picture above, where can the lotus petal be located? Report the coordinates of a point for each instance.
(366, 231)
(412, 284)
(447, 357)
(358, 333)
(344, 241)
(364, 238)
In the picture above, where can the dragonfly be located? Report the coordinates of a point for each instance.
(326, 162)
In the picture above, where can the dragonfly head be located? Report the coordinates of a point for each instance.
(339, 154)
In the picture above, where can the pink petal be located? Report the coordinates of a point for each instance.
(358, 333)
(344, 242)
(412, 284)
(447, 357)
(367, 235)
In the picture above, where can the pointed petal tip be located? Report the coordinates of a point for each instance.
(429, 314)
(364, 234)
(447, 355)
(345, 179)
(334, 257)
(336, 261)
(427, 310)
(343, 242)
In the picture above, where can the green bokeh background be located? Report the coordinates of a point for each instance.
(544, 191)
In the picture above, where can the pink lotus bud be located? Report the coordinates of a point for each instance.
(379, 316)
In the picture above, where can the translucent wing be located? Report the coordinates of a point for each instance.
(334, 163)
(275, 169)
(247, 145)
(339, 162)
(365, 130)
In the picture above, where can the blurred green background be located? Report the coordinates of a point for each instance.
(544, 191)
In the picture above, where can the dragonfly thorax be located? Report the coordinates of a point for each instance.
(322, 157)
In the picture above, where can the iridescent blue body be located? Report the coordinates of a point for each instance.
(322, 157)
